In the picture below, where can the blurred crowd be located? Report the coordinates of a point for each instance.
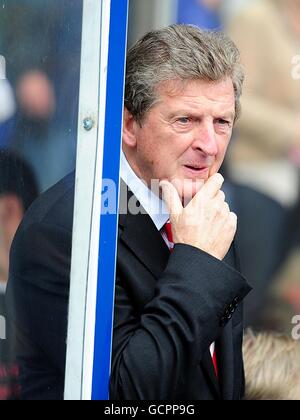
(262, 173)
(41, 43)
(262, 167)
(40, 46)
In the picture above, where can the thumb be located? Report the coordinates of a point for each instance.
(171, 198)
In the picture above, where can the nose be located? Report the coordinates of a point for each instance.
(205, 139)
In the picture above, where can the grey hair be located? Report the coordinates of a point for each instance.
(179, 52)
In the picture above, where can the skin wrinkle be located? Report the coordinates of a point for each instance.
(190, 124)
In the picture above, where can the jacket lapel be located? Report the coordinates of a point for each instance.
(209, 371)
(139, 233)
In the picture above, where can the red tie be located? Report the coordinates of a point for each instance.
(215, 363)
(168, 230)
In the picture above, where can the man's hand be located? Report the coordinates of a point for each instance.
(207, 222)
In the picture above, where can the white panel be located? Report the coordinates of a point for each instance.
(84, 196)
(94, 244)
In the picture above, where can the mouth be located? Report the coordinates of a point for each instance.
(196, 170)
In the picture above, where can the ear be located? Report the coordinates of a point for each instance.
(129, 129)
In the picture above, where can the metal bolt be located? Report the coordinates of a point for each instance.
(88, 124)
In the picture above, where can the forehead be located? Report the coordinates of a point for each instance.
(196, 94)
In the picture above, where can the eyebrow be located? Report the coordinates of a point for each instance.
(186, 112)
(228, 116)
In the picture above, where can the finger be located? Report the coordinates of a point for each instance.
(221, 196)
(220, 204)
(233, 220)
(226, 208)
(212, 186)
(171, 198)
(210, 190)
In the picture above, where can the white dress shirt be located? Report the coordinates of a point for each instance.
(154, 206)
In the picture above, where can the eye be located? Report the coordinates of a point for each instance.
(184, 120)
(221, 121)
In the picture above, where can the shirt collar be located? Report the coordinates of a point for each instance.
(154, 206)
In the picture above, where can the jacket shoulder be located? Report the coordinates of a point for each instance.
(54, 207)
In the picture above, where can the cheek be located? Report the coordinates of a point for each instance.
(146, 149)
(153, 159)
(222, 148)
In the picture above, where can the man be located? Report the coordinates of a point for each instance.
(18, 189)
(178, 319)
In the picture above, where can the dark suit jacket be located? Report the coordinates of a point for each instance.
(169, 309)
(261, 242)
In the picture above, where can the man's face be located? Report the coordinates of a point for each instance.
(184, 137)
